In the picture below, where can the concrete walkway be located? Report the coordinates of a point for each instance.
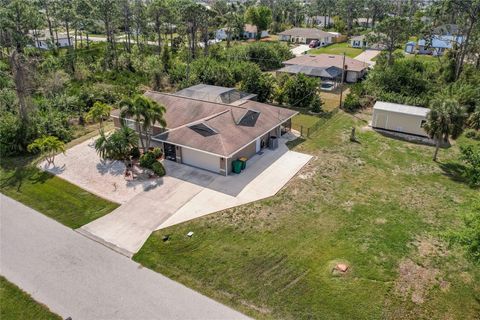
(79, 278)
(367, 56)
(188, 193)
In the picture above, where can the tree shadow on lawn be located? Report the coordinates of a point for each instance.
(455, 171)
(15, 178)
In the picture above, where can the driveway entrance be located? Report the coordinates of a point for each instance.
(185, 193)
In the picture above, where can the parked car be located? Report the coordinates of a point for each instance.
(314, 44)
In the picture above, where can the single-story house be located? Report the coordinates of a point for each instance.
(216, 94)
(435, 46)
(211, 135)
(42, 41)
(330, 76)
(221, 34)
(329, 63)
(306, 35)
(320, 21)
(359, 42)
(399, 118)
(363, 22)
(250, 32)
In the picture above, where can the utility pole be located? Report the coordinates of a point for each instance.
(341, 84)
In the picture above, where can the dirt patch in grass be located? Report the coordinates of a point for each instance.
(414, 281)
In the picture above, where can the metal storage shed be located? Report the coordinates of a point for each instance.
(399, 118)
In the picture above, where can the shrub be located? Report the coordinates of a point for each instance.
(351, 103)
(158, 169)
(300, 90)
(472, 134)
(147, 160)
(316, 104)
(471, 156)
(157, 152)
(135, 153)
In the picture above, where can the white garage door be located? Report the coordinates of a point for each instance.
(200, 160)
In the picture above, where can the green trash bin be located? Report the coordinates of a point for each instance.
(237, 166)
(243, 160)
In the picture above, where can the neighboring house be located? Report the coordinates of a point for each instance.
(210, 135)
(250, 32)
(320, 21)
(363, 22)
(221, 34)
(362, 42)
(216, 94)
(306, 35)
(42, 41)
(359, 42)
(435, 46)
(399, 118)
(323, 64)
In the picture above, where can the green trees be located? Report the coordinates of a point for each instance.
(300, 90)
(117, 145)
(445, 120)
(47, 146)
(262, 84)
(392, 33)
(471, 157)
(474, 119)
(98, 112)
(260, 16)
(146, 113)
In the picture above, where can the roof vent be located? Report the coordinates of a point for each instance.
(203, 129)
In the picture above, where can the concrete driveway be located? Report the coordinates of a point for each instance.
(299, 50)
(367, 56)
(185, 193)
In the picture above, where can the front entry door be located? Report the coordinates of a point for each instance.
(170, 151)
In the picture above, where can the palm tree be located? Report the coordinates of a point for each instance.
(48, 146)
(445, 119)
(118, 145)
(98, 112)
(146, 114)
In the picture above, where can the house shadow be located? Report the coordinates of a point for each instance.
(425, 141)
(294, 143)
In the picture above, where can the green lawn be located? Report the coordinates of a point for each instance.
(338, 48)
(381, 206)
(16, 304)
(304, 120)
(52, 196)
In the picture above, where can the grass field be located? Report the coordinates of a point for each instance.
(381, 206)
(16, 304)
(52, 196)
(338, 48)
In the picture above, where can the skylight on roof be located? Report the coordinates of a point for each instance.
(203, 129)
(249, 118)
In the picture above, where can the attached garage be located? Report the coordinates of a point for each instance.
(201, 159)
(399, 118)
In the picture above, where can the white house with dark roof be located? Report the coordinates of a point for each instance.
(211, 135)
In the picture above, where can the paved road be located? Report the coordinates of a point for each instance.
(75, 276)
